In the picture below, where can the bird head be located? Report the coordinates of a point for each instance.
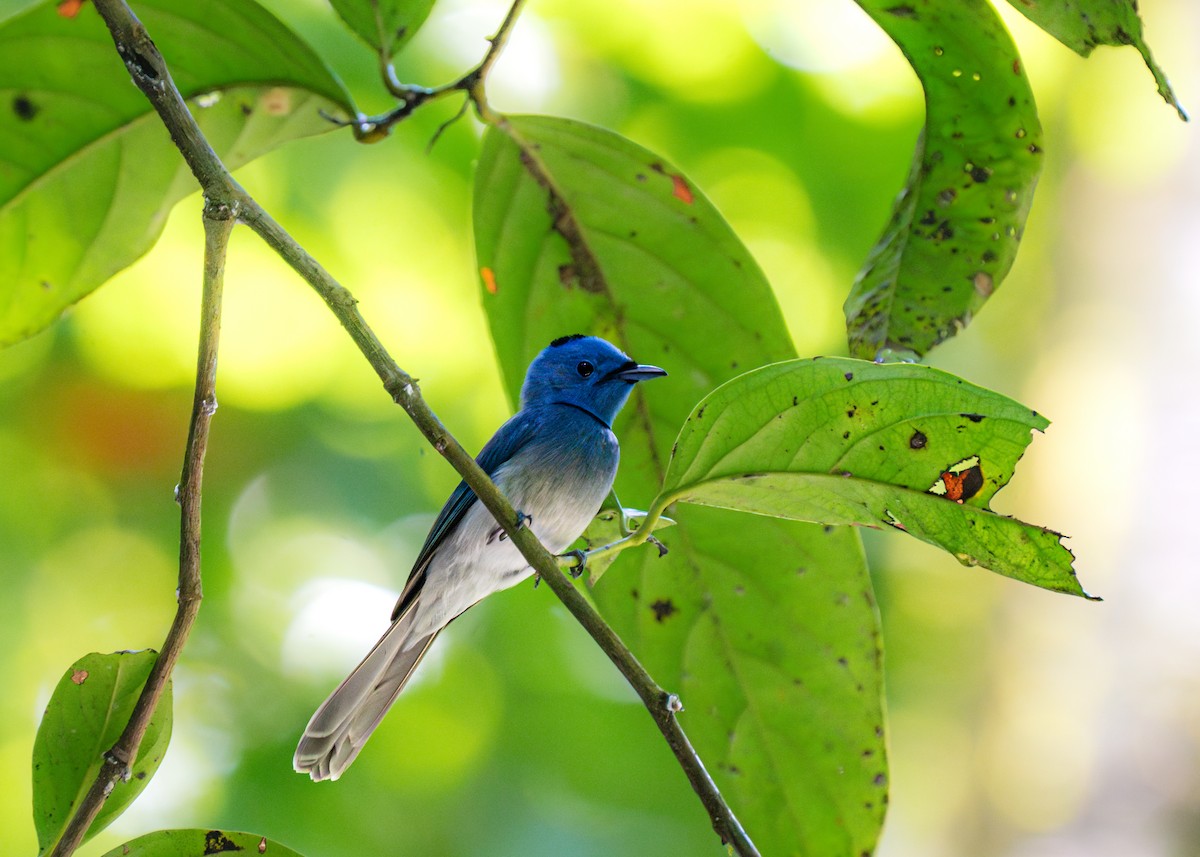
(585, 372)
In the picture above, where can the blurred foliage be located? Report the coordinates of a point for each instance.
(318, 492)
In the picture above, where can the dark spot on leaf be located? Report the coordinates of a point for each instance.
(842, 662)
(795, 401)
(663, 609)
(633, 233)
(980, 174)
(988, 257)
(1012, 101)
(700, 413)
(928, 218)
(918, 440)
(947, 196)
(567, 275)
(640, 177)
(868, 753)
(903, 11)
(216, 842)
(140, 775)
(849, 376)
(880, 779)
(853, 410)
(246, 109)
(845, 435)
(24, 108)
(1035, 149)
(975, 418)
(943, 232)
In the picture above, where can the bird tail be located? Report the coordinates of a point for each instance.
(341, 726)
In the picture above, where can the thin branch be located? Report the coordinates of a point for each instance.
(150, 74)
(372, 129)
(218, 223)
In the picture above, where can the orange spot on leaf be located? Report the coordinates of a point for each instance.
(79, 676)
(681, 189)
(69, 8)
(489, 280)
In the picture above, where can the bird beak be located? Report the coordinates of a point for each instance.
(634, 372)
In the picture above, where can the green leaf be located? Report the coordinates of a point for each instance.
(199, 843)
(87, 172)
(839, 441)
(86, 715)
(958, 220)
(578, 229)
(1081, 25)
(385, 25)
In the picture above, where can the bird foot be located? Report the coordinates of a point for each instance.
(662, 549)
(522, 522)
(576, 570)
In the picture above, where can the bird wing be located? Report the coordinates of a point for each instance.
(508, 440)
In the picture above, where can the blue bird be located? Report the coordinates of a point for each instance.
(555, 460)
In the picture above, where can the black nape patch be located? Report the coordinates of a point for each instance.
(563, 340)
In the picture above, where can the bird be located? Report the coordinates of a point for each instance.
(555, 460)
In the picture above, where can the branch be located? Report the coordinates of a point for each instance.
(372, 129)
(151, 75)
(218, 223)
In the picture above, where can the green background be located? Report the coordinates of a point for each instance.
(1023, 723)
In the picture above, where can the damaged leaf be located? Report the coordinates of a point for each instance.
(1081, 25)
(957, 222)
(588, 232)
(87, 172)
(201, 843)
(385, 25)
(840, 441)
(86, 715)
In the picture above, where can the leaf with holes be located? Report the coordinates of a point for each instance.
(200, 843)
(1081, 25)
(87, 172)
(958, 220)
(385, 25)
(580, 230)
(86, 715)
(841, 441)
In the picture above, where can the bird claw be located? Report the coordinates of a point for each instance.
(662, 549)
(522, 522)
(576, 570)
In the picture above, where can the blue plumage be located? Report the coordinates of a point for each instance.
(555, 460)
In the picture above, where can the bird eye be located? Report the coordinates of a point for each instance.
(585, 369)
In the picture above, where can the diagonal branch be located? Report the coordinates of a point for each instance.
(150, 74)
(218, 223)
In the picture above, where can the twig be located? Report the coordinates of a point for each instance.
(218, 223)
(372, 129)
(150, 74)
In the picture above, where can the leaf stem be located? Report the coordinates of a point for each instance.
(151, 75)
(640, 536)
(218, 223)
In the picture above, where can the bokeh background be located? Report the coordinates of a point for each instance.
(1023, 723)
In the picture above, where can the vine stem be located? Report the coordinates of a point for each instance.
(218, 224)
(151, 75)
